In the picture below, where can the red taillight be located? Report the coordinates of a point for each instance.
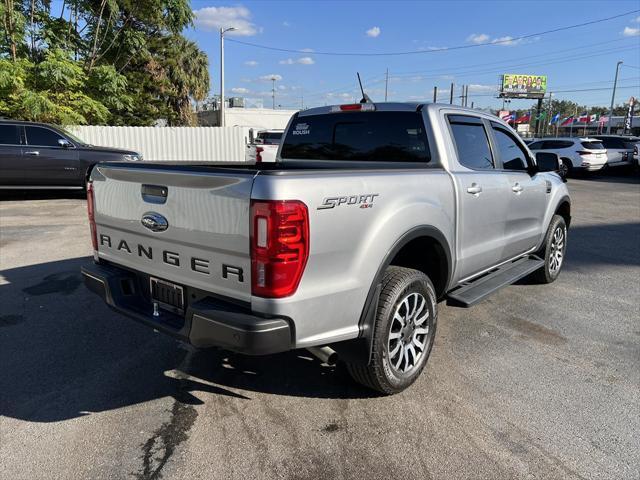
(279, 246)
(259, 151)
(584, 152)
(92, 218)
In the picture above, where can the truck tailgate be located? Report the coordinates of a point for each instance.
(206, 240)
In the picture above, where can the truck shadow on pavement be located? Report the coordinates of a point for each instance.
(65, 354)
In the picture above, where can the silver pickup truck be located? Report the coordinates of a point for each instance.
(372, 214)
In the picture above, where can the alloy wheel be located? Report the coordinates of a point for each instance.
(409, 333)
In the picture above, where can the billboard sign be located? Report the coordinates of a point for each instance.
(515, 85)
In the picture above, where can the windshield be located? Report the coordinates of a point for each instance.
(72, 136)
(358, 136)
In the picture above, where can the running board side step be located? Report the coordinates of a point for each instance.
(476, 290)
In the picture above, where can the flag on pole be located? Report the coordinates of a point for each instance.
(505, 115)
(583, 118)
(554, 119)
(526, 118)
(567, 121)
(603, 119)
(593, 118)
(542, 116)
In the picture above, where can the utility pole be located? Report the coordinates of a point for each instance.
(222, 32)
(386, 85)
(435, 94)
(466, 95)
(613, 97)
(462, 96)
(548, 119)
(273, 92)
(451, 94)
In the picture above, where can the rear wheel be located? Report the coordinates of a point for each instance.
(553, 251)
(403, 333)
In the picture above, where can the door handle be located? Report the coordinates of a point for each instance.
(474, 189)
(517, 188)
(32, 152)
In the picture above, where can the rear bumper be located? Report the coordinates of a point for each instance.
(207, 321)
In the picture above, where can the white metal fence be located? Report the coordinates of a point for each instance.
(217, 144)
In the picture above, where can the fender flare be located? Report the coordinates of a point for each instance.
(356, 351)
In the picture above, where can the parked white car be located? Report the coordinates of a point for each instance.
(619, 148)
(576, 153)
(264, 147)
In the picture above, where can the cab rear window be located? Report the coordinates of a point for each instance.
(358, 136)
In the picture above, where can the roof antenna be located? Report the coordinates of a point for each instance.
(365, 97)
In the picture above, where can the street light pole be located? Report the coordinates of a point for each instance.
(222, 32)
(273, 92)
(613, 97)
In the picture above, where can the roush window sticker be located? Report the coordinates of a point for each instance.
(301, 129)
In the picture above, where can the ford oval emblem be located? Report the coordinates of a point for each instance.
(154, 222)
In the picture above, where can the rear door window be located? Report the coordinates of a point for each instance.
(471, 142)
(358, 136)
(512, 154)
(42, 137)
(9, 135)
(270, 138)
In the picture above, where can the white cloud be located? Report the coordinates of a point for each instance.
(477, 88)
(268, 78)
(631, 32)
(214, 18)
(373, 32)
(251, 63)
(286, 24)
(478, 38)
(240, 90)
(507, 41)
(301, 61)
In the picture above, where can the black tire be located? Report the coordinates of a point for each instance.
(381, 374)
(548, 273)
(566, 168)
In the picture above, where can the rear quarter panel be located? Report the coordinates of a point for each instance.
(349, 243)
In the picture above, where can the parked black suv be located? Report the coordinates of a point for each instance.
(37, 155)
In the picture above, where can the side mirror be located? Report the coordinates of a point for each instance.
(547, 162)
(64, 143)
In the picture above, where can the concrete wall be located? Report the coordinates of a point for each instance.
(172, 143)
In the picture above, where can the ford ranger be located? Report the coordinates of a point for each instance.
(371, 215)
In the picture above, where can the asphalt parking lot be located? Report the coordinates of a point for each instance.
(536, 382)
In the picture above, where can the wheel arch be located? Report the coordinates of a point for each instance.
(564, 210)
(437, 264)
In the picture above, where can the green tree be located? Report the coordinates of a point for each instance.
(121, 62)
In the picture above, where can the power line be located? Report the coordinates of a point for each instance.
(458, 47)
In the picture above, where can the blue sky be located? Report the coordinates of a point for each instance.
(582, 58)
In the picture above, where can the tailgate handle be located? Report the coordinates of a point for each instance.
(154, 193)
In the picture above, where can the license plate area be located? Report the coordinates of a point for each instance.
(169, 296)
